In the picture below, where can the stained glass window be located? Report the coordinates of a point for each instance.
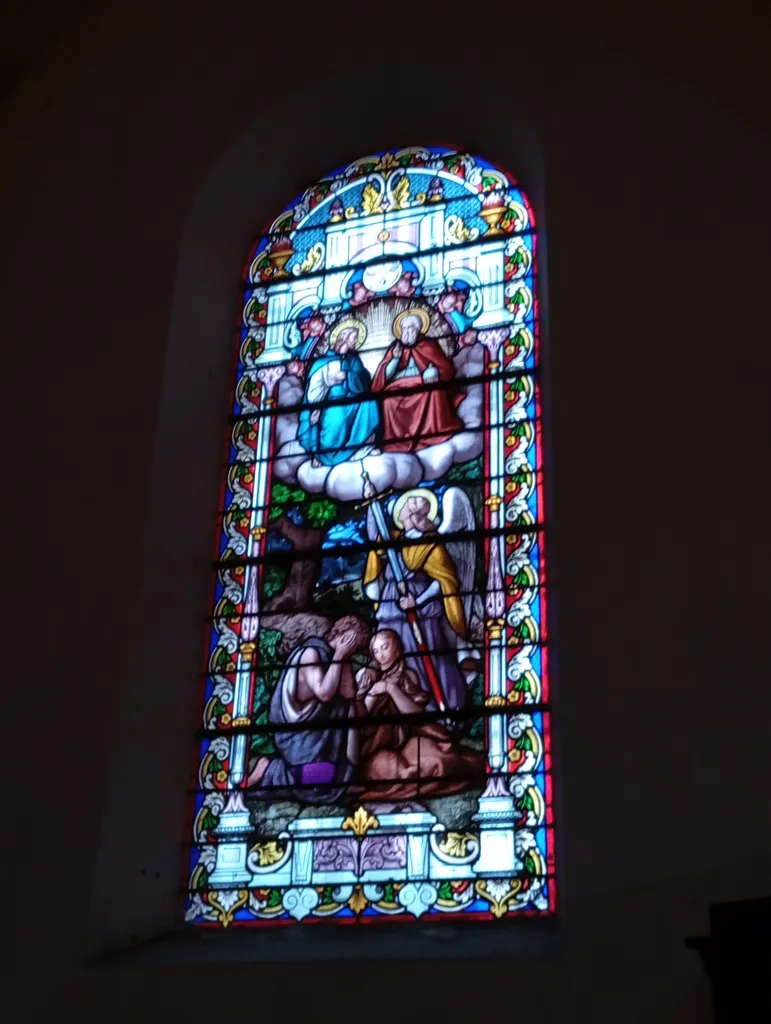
(374, 741)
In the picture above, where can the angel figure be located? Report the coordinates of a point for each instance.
(424, 588)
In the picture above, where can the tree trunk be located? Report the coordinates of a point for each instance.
(304, 571)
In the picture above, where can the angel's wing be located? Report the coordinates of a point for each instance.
(458, 517)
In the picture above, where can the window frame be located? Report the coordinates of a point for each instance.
(137, 869)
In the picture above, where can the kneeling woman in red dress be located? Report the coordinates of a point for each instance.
(422, 418)
(399, 760)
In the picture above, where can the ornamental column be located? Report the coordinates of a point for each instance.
(495, 607)
(335, 255)
(432, 238)
(234, 823)
(495, 604)
(279, 307)
(497, 813)
(489, 267)
(269, 376)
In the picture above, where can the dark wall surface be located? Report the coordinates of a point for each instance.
(139, 161)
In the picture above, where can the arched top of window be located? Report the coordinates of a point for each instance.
(401, 180)
(376, 725)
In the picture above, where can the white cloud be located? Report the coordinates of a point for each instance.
(400, 470)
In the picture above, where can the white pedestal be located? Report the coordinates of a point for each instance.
(496, 816)
(232, 848)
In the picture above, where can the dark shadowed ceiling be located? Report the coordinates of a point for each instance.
(722, 48)
(27, 29)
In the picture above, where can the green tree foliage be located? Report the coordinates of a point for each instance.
(314, 512)
(320, 512)
(267, 654)
(465, 471)
(266, 677)
(273, 581)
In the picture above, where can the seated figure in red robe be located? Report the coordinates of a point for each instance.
(421, 418)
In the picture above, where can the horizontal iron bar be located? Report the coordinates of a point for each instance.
(348, 507)
(479, 780)
(305, 456)
(540, 774)
(467, 714)
(482, 240)
(455, 384)
(294, 555)
(482, 780)
(318, 609)
(504, 477)
(457, 918)
(333, 313)
(357, 663)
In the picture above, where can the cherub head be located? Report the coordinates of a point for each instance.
(405, 285)
(312, 326)
(454, 298)
(360, 294)
(385, 647)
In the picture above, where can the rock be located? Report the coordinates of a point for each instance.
(455, 812)
(295, 628)
(324, 811)
(269, 819)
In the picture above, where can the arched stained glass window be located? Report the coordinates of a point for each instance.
(375, 735)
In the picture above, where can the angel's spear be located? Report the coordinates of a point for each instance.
(399, 571)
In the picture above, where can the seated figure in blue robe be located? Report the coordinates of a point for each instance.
(345, 428)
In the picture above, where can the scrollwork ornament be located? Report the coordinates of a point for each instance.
(418, 897)
(227, 902)
(299, 902)
(499, 893)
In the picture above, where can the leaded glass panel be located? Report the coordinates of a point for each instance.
(375, 728)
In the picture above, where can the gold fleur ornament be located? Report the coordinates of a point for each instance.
(361, 822)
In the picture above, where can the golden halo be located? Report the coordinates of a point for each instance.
(351, 321)
(416, 492)
(421, 314)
